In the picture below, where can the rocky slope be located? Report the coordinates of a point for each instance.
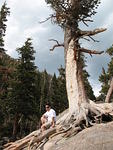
(98, 137)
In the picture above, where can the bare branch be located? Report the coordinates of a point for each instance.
(51, 17)
(85, 23)
(93, 39)
(88, 20)
(54, 41)
(90, 51)
(85, 39)
(85, 20)
(56, 45)
(91, 33)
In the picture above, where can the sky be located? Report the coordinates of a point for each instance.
(23, 23)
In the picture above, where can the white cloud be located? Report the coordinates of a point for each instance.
(24, 22)
(108, 23)
(36, 29)
(96, 87)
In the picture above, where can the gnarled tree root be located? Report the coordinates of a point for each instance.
(69, 125)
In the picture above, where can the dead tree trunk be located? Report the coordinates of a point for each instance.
(109, 93)
(74, 81)
(79, 104)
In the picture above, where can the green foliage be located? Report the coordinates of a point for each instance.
(5, 118)
(53, 90)
(45, 83)
(106, 77)
(3, 68)
(22, 97)
(48, 88)
(3, 19)
(54, 95)
(110, 51)
(110, 65)
(1, 115)
(24, 87)
(70, 12)
(87, 85)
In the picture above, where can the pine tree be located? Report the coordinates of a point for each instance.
(3, 68)
(26, 75)
(104, 79)
(45, 80)
(87, 86)
(3, 19)
(106, 76)
(38, 83)
(54, 96)
(4, 72)
(23, 100)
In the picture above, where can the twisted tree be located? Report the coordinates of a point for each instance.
(68, 14)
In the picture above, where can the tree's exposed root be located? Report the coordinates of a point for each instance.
(69, 125)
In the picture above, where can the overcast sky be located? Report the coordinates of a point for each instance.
(24, 22)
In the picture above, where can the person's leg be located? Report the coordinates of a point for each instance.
(43, 122)
(45, 126)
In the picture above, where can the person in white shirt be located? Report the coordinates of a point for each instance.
(48, 119)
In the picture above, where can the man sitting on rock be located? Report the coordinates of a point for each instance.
(48, 119)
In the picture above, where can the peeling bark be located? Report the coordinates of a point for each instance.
(74, 81)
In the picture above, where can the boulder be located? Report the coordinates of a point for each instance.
(98, 137)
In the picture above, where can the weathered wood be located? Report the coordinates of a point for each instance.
(29, 140)
(45, 134)
(74, 81)
(91, 33)
(90, 51)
